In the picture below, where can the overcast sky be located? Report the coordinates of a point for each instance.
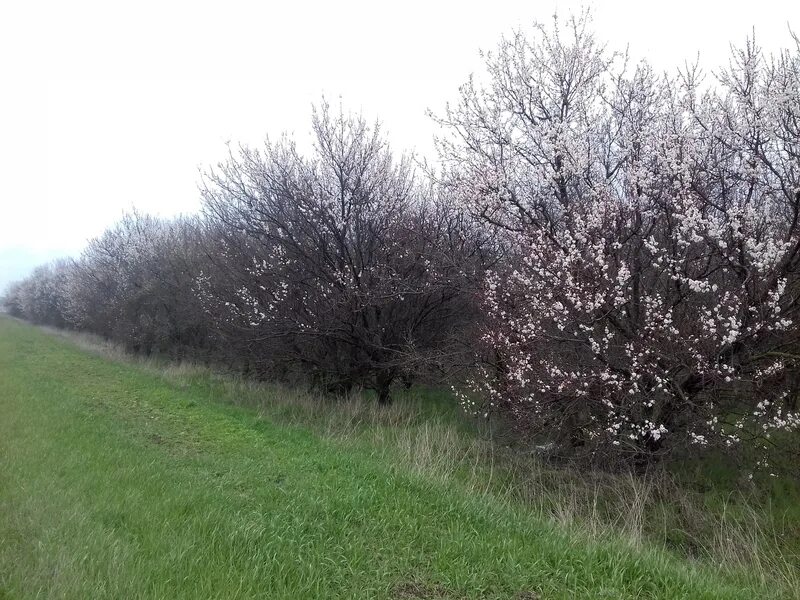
(108, 105)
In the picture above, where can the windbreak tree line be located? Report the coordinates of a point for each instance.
(607, 257)
(345, 269)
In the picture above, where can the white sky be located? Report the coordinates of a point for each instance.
(107, 105)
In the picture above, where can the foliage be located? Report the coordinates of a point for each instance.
(608, 257)
(650, 301)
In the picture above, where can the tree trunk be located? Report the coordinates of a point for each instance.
(383, 383)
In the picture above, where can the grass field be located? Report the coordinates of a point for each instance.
(125, 480)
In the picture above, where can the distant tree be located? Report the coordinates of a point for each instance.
(135, 284)
(11, 300)
(39, 297)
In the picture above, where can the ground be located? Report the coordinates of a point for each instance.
(121, 481)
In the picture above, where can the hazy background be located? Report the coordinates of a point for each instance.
(105, 106)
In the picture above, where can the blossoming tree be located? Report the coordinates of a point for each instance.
(650, 301)
(340, 263)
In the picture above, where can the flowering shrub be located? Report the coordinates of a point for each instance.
(649, 301)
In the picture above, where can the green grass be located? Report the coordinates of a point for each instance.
(123, 480)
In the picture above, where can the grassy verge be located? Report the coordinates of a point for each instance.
(121, 479)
